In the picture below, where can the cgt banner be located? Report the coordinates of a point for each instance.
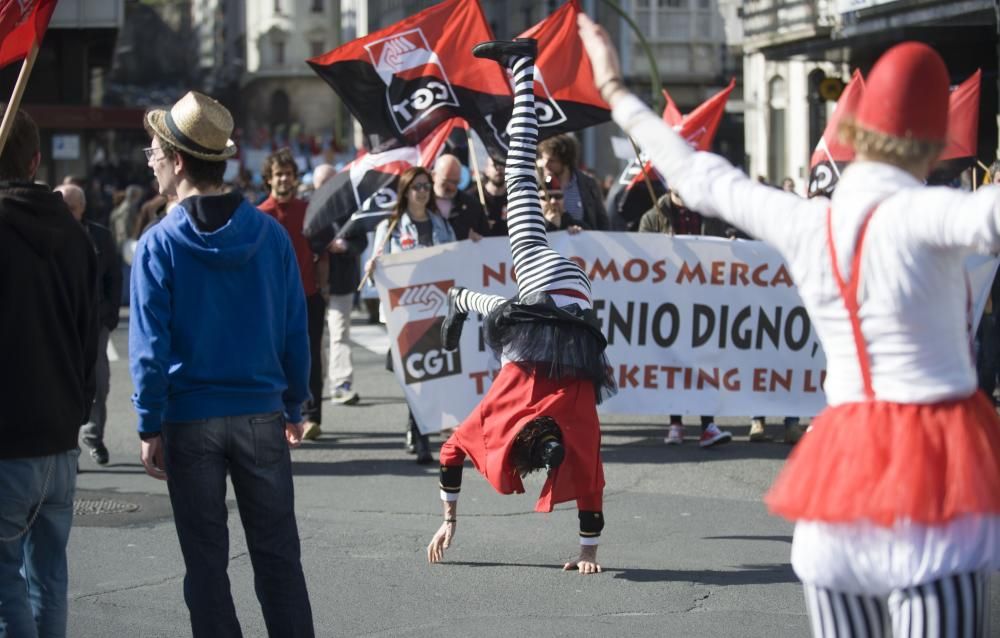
(695, 325)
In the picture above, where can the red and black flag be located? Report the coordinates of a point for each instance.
(364, 192)
(963, 120)
(565, 96)
(700, 125)
(831, 155)
(963, 132)
(22, 24)
(403, 81)
(697, 127)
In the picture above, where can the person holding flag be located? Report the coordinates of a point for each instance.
(540, 412)
(895, 492)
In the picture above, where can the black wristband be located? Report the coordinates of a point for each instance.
(451, 479)
(146, 436)
(451, 520)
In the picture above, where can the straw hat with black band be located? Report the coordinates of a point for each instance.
(197, 125)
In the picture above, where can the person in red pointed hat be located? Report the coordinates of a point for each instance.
(540, 413)
(895, 490)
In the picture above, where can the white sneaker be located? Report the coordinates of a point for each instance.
(344, 395)
(675, 436)
(714, 436)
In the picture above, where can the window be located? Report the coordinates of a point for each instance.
(317, 6)
(277, 6)
(279, 52)
(317, 48)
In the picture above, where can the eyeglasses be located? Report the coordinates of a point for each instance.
(151, 152)
(555, 197)
(422, 186)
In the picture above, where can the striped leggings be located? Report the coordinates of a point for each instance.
(952, 607)
(537, 266)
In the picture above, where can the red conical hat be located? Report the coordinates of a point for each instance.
(906, 94)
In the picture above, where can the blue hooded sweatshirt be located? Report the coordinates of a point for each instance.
(218, 319)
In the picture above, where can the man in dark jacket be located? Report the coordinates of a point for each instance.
(109, 290)
(582, 196)
(343, 280)
(219, 353)
(463, 212)
(48, 337)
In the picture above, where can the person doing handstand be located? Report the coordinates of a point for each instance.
(541, 410)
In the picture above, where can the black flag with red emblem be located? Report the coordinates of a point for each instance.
(364, 193)
(403, 81)
(565, 96)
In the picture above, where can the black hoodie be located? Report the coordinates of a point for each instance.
(48, 322)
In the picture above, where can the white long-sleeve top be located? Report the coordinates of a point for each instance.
(913, 293)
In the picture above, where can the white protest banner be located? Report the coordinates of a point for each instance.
(695, 325)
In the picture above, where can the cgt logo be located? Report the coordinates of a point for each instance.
(416, 83)
(419, 341)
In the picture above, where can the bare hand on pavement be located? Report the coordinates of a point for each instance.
(586, 562)
(441, 541)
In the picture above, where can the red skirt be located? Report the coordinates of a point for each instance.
(885, 461)
(518, 395)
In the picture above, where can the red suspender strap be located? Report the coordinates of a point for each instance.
(849, 293)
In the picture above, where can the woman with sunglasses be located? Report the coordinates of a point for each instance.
(415, 223)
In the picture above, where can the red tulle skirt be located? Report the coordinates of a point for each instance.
(887, 461)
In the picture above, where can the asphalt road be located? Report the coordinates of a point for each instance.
(688, 550)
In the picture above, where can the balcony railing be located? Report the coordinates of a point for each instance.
(774, 21)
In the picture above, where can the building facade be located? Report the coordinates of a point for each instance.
(791, 47)
(66, 91)
(282, 99)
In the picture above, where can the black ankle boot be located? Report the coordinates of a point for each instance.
(451, 327)
(503, 50)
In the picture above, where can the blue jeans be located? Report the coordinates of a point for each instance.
(254, 451)
(33, 573)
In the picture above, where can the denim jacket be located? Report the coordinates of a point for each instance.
(404, 236)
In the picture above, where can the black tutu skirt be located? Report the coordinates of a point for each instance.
(562, 342)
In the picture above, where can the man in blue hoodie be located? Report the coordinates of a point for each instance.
(219, 355)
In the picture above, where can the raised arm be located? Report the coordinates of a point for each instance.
(948, 218)
(707, 183)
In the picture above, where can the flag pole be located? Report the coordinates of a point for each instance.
(378, 253)
(15, 97)
(645, 175)
(475, 169)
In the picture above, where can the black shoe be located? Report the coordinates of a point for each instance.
(424, 450)
(503, 50)
(451, 327)
(100, 454)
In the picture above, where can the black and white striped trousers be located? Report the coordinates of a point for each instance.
(538, 267)
(952, 607)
